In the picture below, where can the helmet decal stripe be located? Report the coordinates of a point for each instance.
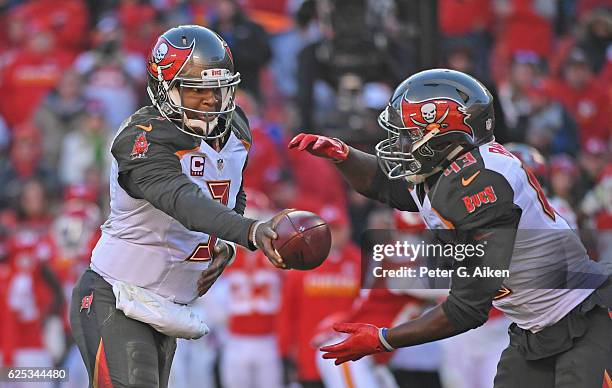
(168, 58)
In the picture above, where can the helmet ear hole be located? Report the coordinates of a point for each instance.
(426, 151)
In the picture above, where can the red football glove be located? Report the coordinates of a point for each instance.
(363, 340)
(322, 146)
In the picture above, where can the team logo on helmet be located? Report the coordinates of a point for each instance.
(168, 58)
(160, 52)
(443, 114)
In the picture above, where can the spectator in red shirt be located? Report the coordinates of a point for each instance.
(24, 164)
(524, 29)
(311, 185)
(250, 356)
(584, 98)
(597, 205)
(31, 294)
(67, 20)
(549, 127)
(33, 71)
(563, 176)
(31, 290)
(310, 296)
(521, 26)
(137, 19)
(594, 156)
(467, 23)
(250, 353)
(264, 166)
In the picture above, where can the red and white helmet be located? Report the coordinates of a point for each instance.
(194, 57)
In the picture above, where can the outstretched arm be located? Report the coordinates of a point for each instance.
(466, 307)
(158, 178)
(359, 168)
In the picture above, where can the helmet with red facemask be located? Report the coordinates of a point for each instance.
(193, 57)
(433, 117)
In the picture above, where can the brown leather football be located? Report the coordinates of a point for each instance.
(304, 240)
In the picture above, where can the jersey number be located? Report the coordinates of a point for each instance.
(465, 160)
(219, 191)
(533, 181)
(253, 292)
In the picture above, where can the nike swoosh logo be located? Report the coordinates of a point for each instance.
(466, 182)
(148, 128)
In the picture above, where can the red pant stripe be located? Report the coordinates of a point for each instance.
(101, 375)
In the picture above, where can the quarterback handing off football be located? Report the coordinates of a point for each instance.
(304, 240)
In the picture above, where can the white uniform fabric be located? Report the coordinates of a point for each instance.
(138, 235)
(251, 362)
(538, 251)
(470, 359)
(169, 318)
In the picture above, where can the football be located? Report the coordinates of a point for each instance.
(304, 240)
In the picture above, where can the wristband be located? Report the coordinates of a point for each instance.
(382, 336)
(231, 246)
(254, 233)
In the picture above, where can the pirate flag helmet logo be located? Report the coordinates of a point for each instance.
(433, 117)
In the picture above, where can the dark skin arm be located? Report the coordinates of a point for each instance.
(359, 169)
(363, 173)
(431, 326)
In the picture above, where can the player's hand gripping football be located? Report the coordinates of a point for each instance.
(222, 256)
(364, 339)
(263, 236)
(325, 147)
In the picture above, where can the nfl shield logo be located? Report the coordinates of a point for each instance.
(220, 164)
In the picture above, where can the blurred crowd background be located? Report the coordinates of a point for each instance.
(71, 71)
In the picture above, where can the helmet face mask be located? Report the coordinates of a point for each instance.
(432, 117)
(177, 69)
(395, 154)
(203, 123)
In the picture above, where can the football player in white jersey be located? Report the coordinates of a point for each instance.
(177, 208)
(441, 159)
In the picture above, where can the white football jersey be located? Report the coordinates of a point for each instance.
(546, 250)
(144, 246)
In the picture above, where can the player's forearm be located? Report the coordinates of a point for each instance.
(178, 197)
(359, 169)
(431, 326)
